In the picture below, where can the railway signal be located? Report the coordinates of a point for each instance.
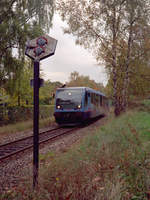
(41, 47)
(38, 49)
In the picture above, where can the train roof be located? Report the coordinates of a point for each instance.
(84, 88)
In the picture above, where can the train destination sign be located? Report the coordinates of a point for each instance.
(41, 47)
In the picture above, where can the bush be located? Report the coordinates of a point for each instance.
(13, 114)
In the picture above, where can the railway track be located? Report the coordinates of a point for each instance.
(9, 149)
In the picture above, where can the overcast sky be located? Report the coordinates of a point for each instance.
(69, 57)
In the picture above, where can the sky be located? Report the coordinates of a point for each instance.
(69, 57)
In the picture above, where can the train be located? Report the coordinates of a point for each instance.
(74, 105)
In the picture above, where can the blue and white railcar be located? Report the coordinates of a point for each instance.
(78, 104)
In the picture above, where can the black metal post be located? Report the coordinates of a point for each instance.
(36, 125)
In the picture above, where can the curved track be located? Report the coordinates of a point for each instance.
(12, 148)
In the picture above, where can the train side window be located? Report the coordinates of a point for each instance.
(92, 98)
(86, 98)
(98, 100)
(101, 100)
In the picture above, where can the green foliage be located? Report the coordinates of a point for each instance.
(18, 105)
(20, 20)
(139, 72)
(14, 114)
(43, 11)
(47, 92)
(18, 86)
(25, 125)
(146, 102)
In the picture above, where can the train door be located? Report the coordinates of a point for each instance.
(87, 100)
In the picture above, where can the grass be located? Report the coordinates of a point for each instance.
(24, 126)
(111, 163)
(45, 116)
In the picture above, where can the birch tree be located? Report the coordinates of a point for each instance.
(137, 15)
(96, 25)
(108, 28)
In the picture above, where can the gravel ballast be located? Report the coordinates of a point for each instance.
(15, 170)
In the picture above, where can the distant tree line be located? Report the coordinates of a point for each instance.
(76, 79)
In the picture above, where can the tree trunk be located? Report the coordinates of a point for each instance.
(126, 78)
(114, 66)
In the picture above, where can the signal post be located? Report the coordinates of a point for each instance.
(38, 49)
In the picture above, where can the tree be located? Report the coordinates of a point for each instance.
(137, 14)
(139, 70)
(83, 81)
(47, 92)
(20, 20)
(108, 28)
(18, 85)
(17, 17)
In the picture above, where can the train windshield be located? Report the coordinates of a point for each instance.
(69, 99)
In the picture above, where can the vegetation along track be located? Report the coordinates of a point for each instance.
(15, 147)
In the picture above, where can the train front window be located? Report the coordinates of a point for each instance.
(69, 99)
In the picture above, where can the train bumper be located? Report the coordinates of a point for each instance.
(70, 117)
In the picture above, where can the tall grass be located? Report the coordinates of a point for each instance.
(112, 163)
(24, 126)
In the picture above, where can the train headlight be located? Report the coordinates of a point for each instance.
(58, 107)
(79, 106)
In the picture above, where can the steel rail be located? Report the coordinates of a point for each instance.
(9, 149)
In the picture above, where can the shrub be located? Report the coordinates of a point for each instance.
(13, 114)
